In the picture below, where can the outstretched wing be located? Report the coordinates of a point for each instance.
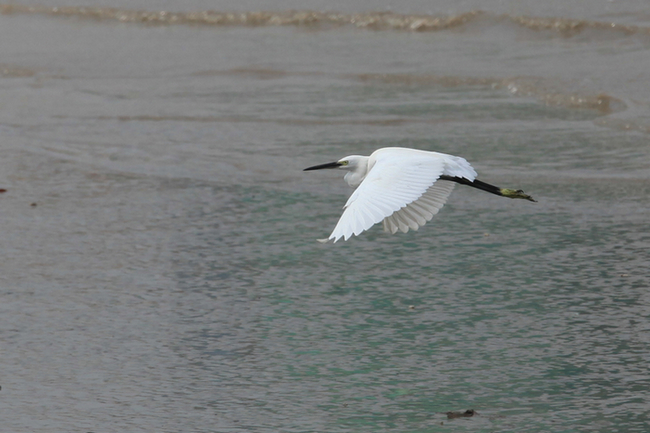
(402, 189)
(417, 213)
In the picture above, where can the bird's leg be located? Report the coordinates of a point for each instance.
(503, 192)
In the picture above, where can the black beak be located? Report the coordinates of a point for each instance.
(322, 166)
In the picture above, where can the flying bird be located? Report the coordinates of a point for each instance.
(402, 188)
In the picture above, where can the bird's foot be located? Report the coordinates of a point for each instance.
(516, 193)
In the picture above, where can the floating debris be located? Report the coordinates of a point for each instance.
(468, 413)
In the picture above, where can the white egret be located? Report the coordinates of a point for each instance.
(403, 188)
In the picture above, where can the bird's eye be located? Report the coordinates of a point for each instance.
(344, 162)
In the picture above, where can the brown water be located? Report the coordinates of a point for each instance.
(160, 270)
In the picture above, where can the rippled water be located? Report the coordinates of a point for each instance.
(160, 270)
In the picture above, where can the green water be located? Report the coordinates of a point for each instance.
(531, 314)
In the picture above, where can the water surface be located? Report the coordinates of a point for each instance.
(160, 270)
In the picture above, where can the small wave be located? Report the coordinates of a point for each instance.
(518, 86)
(552, 94)
(570, 27)
(636, 125)
(10, 71)
(281, 121)
(259, 73)
(367, 20)
(373, 20)
(547, 92)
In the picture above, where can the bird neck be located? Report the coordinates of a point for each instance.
(358, 168)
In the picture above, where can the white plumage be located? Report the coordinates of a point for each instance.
(397, 186)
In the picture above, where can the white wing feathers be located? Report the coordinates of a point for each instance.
(417, 213)
(402, 190)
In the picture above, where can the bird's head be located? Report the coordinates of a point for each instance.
(356, 165)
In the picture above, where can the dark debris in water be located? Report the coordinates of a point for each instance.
(468, 413)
